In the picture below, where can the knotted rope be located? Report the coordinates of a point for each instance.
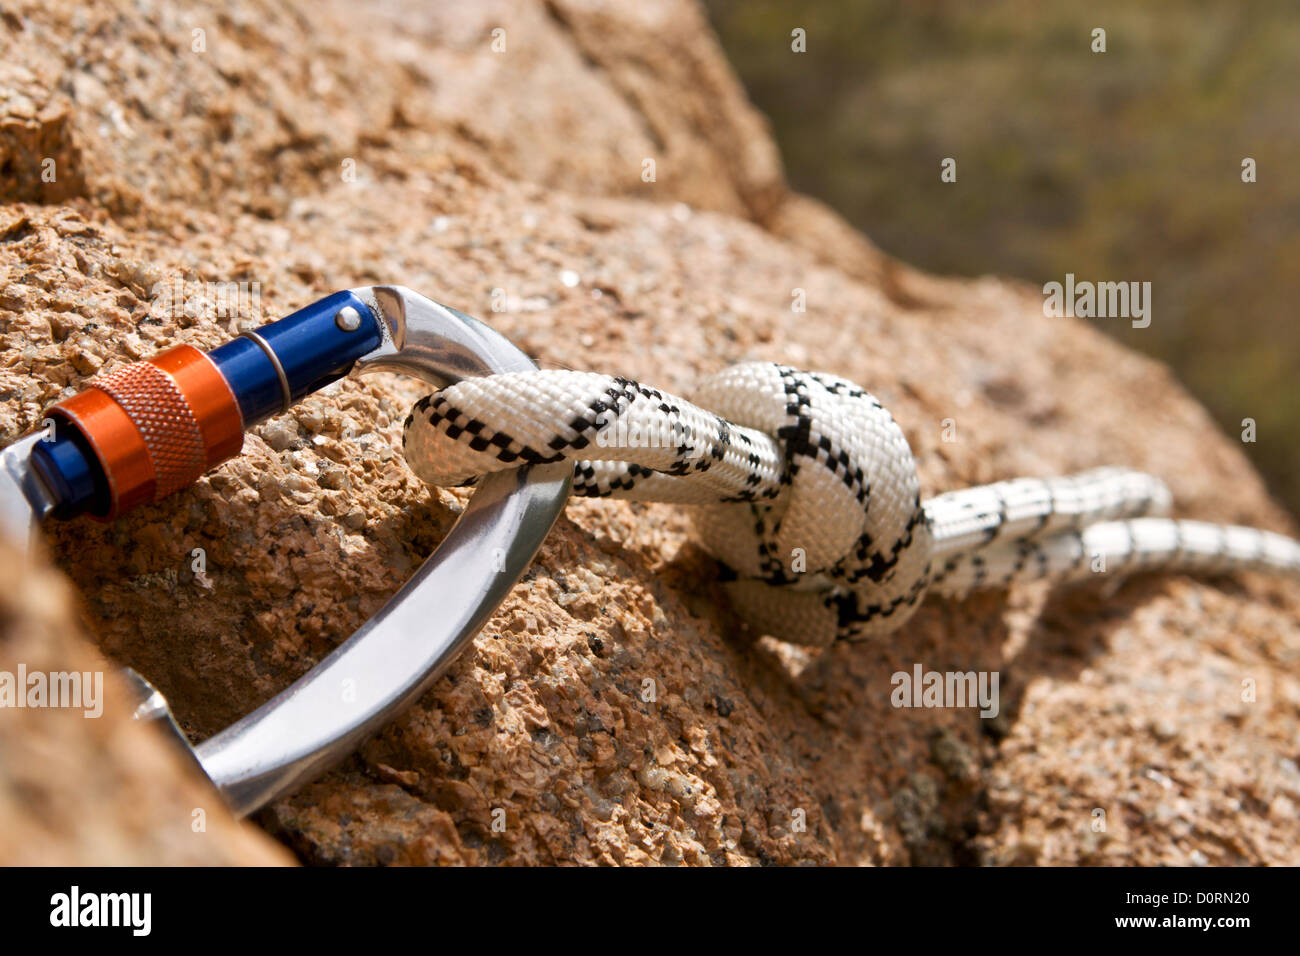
(807, 490)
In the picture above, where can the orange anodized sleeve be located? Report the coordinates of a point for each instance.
(157, 425)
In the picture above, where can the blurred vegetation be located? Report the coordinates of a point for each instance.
(1117, 166)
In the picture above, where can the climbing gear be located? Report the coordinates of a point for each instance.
(150, 428)
(809, 493)
(807, 490)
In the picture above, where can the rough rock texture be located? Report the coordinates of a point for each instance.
(89, 785)
(613, 711)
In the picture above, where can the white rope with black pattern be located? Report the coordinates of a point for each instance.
(808, 493)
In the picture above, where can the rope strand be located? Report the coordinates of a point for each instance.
(807, 490)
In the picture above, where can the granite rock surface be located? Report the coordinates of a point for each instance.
(219, 165)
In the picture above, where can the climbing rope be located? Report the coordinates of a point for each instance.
(808, 492)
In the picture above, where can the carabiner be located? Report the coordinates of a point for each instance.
(151, 428)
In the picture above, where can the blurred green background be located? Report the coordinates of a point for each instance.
(1116, 166)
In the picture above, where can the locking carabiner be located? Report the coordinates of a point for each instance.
(151, 428)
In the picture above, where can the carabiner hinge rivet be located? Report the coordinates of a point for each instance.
(348, 319)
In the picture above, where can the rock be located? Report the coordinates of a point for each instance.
(39, 160)
(612, 711)
(87, 784)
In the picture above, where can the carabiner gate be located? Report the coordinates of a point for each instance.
(153, 427)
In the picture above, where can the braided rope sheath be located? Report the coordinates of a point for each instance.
(808, 492)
